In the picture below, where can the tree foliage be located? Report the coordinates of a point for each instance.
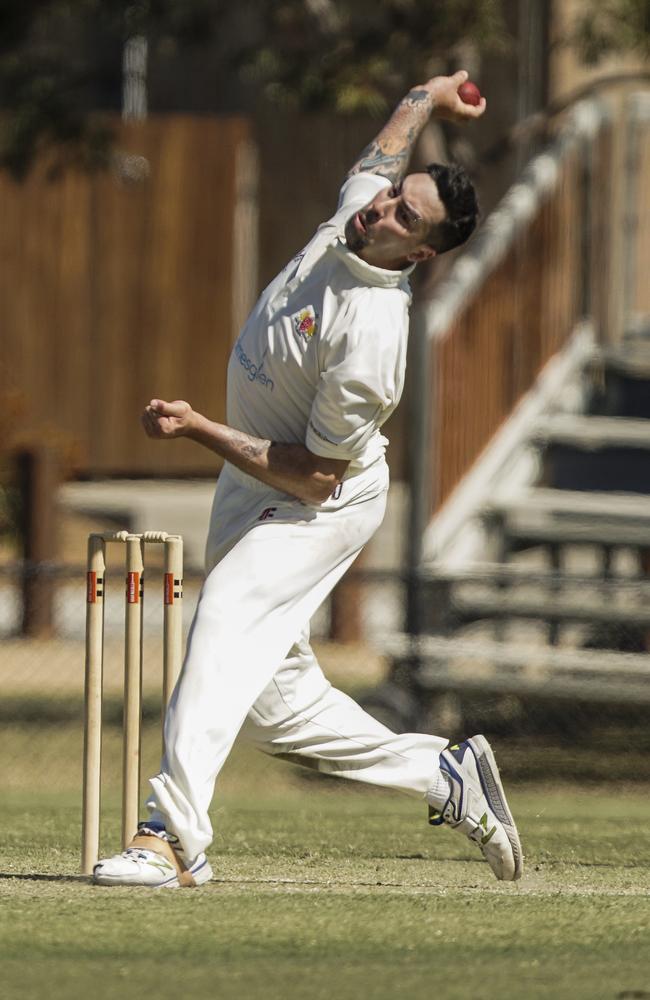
(60, 63)
(44, 79)
(359, 55)
(60, 60)
(610, 27)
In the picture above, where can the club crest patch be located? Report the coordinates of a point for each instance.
(305, 323)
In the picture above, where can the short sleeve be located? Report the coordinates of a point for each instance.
(345, 414)
(357, 388)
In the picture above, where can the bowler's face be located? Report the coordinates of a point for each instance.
(392, 230)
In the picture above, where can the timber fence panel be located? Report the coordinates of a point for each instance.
(117, 286)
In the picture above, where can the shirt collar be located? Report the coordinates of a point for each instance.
(368, 273)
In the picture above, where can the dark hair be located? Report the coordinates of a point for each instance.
(457, 194)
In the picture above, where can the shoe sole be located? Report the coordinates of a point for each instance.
(490, 779)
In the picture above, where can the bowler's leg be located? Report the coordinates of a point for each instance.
(252, 606)
(301, 717)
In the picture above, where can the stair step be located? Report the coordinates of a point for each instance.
(633, 360)
(547, 516)
(545, 608)
(455, 664)
(592, 433)
(572, 504)
(514, 574)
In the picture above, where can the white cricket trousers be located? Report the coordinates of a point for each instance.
(272, 561)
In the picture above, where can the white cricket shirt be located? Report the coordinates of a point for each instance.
(322, 357)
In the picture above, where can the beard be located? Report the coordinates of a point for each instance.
(356, 239)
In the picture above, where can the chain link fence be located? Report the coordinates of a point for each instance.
(539, 659)
(42, 633)
(42, 629)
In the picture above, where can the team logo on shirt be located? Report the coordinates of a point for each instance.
(305, 323)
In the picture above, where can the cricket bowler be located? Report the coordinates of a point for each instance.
(318, 368)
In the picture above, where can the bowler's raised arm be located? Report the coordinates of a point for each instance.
(390, 151)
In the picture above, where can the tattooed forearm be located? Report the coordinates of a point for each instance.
(390, 151)
(251, 448)
(290, 468)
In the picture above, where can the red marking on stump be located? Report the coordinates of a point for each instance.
(133, 588)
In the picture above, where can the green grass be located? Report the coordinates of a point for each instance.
(326, 890)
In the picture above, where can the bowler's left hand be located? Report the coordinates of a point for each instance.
(161, 419)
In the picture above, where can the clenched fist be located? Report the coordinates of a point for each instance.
(168, 420)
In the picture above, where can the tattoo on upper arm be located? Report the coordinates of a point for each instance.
(388, 154)
(375, 160)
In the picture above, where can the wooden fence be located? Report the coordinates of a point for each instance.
(112, 290)
(120, 286)
(492, 353)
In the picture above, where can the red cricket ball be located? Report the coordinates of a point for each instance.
(469, 93)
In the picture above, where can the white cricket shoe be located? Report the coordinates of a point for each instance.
(477, 806)
(151, 859)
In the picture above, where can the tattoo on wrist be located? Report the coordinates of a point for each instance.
(416, 98)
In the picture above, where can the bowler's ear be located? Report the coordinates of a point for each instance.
(424, 252)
